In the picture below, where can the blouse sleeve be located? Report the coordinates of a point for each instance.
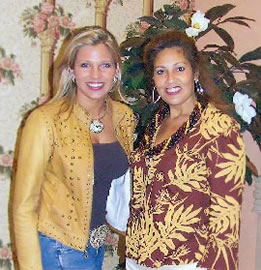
(33, 156)
(226, 162)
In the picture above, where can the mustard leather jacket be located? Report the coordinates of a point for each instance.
(54, 178)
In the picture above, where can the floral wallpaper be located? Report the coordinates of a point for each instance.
(9, 69)
(45, 17)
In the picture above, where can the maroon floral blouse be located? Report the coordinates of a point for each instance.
(187, 193)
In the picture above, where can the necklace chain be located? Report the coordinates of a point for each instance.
(96, 125)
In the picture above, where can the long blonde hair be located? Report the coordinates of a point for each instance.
(64, 85)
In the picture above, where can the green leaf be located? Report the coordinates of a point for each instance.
(61, 10)
(132, 42)
(151, 31)
(11, 77)
(215, 46)
(170, 9)
(249, 176)
(253, 70)
(137, 80)
(159, 14)
(175, 23)
(225, 36)
(250, 56)
(239, 20)
(218, 11)
(2, 52)
(230, 58)
(151, 20)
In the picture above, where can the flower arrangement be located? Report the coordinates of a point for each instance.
(6, 162)
(222, 63)
(5, 256)
(47, 18)
(9, 69)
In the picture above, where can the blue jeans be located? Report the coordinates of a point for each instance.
(56, 256)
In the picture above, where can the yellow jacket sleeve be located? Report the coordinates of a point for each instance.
(34, 153)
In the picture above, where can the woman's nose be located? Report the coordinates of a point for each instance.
(171, 77)
(95, 72)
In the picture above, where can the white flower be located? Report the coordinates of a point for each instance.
(199, 23)
(243, 106)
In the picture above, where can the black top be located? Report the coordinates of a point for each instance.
(110, 162)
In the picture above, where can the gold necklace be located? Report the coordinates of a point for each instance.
(96, 125)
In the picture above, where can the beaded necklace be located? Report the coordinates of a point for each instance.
(150, 149)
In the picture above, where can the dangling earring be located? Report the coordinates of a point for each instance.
(73, 79)
(153, 95)
(114, 80)
(198, 88)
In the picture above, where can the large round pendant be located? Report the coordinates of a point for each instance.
(96, 126)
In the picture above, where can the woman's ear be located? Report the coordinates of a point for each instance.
(70, 70)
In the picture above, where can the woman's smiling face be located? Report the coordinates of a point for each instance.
(174, 77)
(94, 70)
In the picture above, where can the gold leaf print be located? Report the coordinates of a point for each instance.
(215, 124)
(223, 247)
(233, 167)
(179, 253)
(187, 175)
(139, 188)
(224, 214)
(179, 220)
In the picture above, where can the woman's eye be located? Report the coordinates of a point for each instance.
(106, 65)
(180, 69)
(159, 71)
(84, 65)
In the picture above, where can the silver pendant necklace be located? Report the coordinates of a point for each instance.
(96, 125)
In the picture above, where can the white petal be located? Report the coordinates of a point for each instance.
(192, 32)
(251, 111)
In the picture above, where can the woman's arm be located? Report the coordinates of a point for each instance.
(226, 162)
(33, 156)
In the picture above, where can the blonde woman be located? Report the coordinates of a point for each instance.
(71, 150)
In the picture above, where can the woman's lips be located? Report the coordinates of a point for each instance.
(95, 85)
(173, 90)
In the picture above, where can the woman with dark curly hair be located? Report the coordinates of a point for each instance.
(188, 171)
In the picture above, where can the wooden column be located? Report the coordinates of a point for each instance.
(100, 14)
(47, 46)
(147, 7)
